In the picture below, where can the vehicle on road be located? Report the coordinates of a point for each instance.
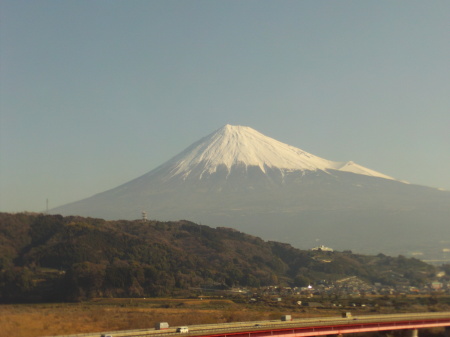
(161, 326)
(183, 329)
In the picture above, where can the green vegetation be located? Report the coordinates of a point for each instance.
(54, 258)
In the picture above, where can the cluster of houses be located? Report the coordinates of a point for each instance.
(349, 287)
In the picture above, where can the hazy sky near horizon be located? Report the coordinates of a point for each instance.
(96, 93)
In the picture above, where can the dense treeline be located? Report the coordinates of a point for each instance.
(50, 257)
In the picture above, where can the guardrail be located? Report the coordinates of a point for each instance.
(278, 327)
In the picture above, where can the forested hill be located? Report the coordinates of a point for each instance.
(72, 258)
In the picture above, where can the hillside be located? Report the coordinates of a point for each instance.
(71, 258)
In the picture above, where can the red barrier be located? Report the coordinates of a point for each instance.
(354, 327)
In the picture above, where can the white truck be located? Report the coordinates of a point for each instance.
(161, 326)
(183, 329)
(286, 318)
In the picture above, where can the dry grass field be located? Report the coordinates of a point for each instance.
(30, 320)
(35, 320)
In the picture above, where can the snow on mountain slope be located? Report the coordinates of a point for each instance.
(241, 145)
(358, 169)
(237, 177)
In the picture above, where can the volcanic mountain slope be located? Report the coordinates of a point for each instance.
(239, 178)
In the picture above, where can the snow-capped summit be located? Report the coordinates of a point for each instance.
(237, 177)
(243, 146)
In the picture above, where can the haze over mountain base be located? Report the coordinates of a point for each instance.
(238, 178)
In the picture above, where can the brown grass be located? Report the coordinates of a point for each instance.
(30, 320)
(36, 320)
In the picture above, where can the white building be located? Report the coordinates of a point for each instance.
(323, 248)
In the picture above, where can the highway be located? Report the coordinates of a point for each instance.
(297, 327)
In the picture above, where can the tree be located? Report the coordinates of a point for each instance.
(301, 281)
(85, 280)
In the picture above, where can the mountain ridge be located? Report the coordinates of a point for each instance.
(250, 192)
(53, 257)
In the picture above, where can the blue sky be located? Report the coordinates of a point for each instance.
(96, 93)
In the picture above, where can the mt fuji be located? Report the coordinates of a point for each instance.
(237, 177)
(240, 146)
